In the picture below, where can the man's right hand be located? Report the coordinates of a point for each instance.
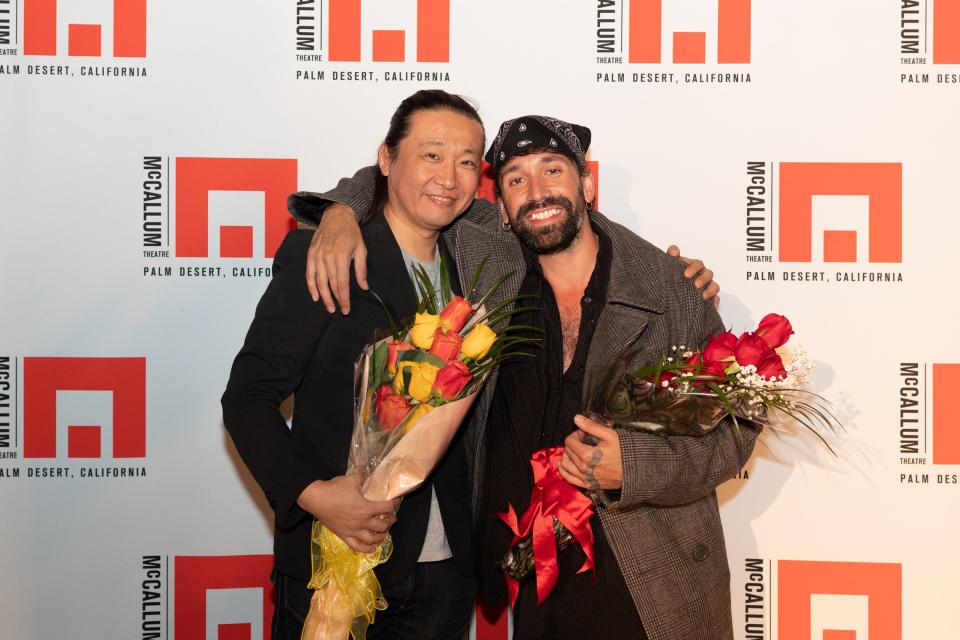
(339, 505)
(335, 243)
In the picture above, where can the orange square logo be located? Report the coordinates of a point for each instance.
(129, 30)
(433, 33)
(946, 31)
(881, 183)
(645, 43)
(44, 377)
(198, 177)
(800, 582)
(223, 597)
(946, 414)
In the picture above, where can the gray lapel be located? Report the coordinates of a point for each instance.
(617, 328)
(474, 242)
(634, 299)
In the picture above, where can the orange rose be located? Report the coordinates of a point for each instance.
(451, 380)
(446, 344)
(455, 314)
(391, 408)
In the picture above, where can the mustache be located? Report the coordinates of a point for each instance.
(543, 203)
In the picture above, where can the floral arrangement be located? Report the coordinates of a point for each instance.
(412, 391)
(687, 393)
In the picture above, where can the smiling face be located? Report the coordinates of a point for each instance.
(433, 174)
(544, 198)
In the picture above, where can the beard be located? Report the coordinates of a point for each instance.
(557, 236)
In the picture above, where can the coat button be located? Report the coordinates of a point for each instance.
(700, 553)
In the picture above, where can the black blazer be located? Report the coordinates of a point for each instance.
(295, 346)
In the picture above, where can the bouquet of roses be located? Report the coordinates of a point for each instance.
(412, 391)
(687, 393)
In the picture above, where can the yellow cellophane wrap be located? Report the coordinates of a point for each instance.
(347, 593)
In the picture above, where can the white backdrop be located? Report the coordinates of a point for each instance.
(104, 538)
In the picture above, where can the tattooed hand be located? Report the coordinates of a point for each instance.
(597, 467)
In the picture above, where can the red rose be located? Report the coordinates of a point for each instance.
(394, 347)
(719, 350)
(451, 380)
(391, 407)
(751, 349)
(454, 316)
(771, 366)
(714, 368)
(774, 329)
(446, 344)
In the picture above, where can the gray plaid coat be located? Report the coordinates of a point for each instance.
(664, 527)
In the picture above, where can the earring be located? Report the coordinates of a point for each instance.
(505, 225)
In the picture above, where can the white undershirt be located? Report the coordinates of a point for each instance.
(435, 546)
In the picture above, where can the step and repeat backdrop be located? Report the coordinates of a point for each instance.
(807, 151)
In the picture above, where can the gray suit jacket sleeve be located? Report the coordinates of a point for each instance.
(356, 192)
(682, 469)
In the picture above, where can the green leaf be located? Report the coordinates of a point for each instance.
(426, 291)
(378, 365)
(476, 277)
(493, 289)
(391, 322)
(416, 355)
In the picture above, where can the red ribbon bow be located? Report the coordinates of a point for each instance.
(552, 497)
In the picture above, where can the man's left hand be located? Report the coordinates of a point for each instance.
(597, 467)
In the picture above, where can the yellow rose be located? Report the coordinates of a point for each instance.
(398, 380)
(418, 412)
(478, 341)
(424, 326)
(422, 375)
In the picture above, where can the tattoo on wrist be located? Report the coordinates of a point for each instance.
(595, 459)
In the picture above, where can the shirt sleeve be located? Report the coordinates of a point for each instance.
(269, 367)
(356, 192)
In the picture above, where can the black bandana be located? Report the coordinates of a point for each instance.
(538, 132)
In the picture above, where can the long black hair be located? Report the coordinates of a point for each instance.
(423, 100)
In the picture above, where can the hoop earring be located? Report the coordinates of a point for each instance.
(505, 225)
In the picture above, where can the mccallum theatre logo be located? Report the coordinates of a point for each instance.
(124, 378)
(929, 34)
(828, 600)
(825, 600)
(928, 423)
(827, 215)
(129, 31)
(45, 22)
(223, 208)
(637, 32)
(222, 597)
(355, 33)
(76, 413)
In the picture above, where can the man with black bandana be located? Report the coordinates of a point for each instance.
(661, 569)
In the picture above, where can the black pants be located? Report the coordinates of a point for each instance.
(434, 602)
